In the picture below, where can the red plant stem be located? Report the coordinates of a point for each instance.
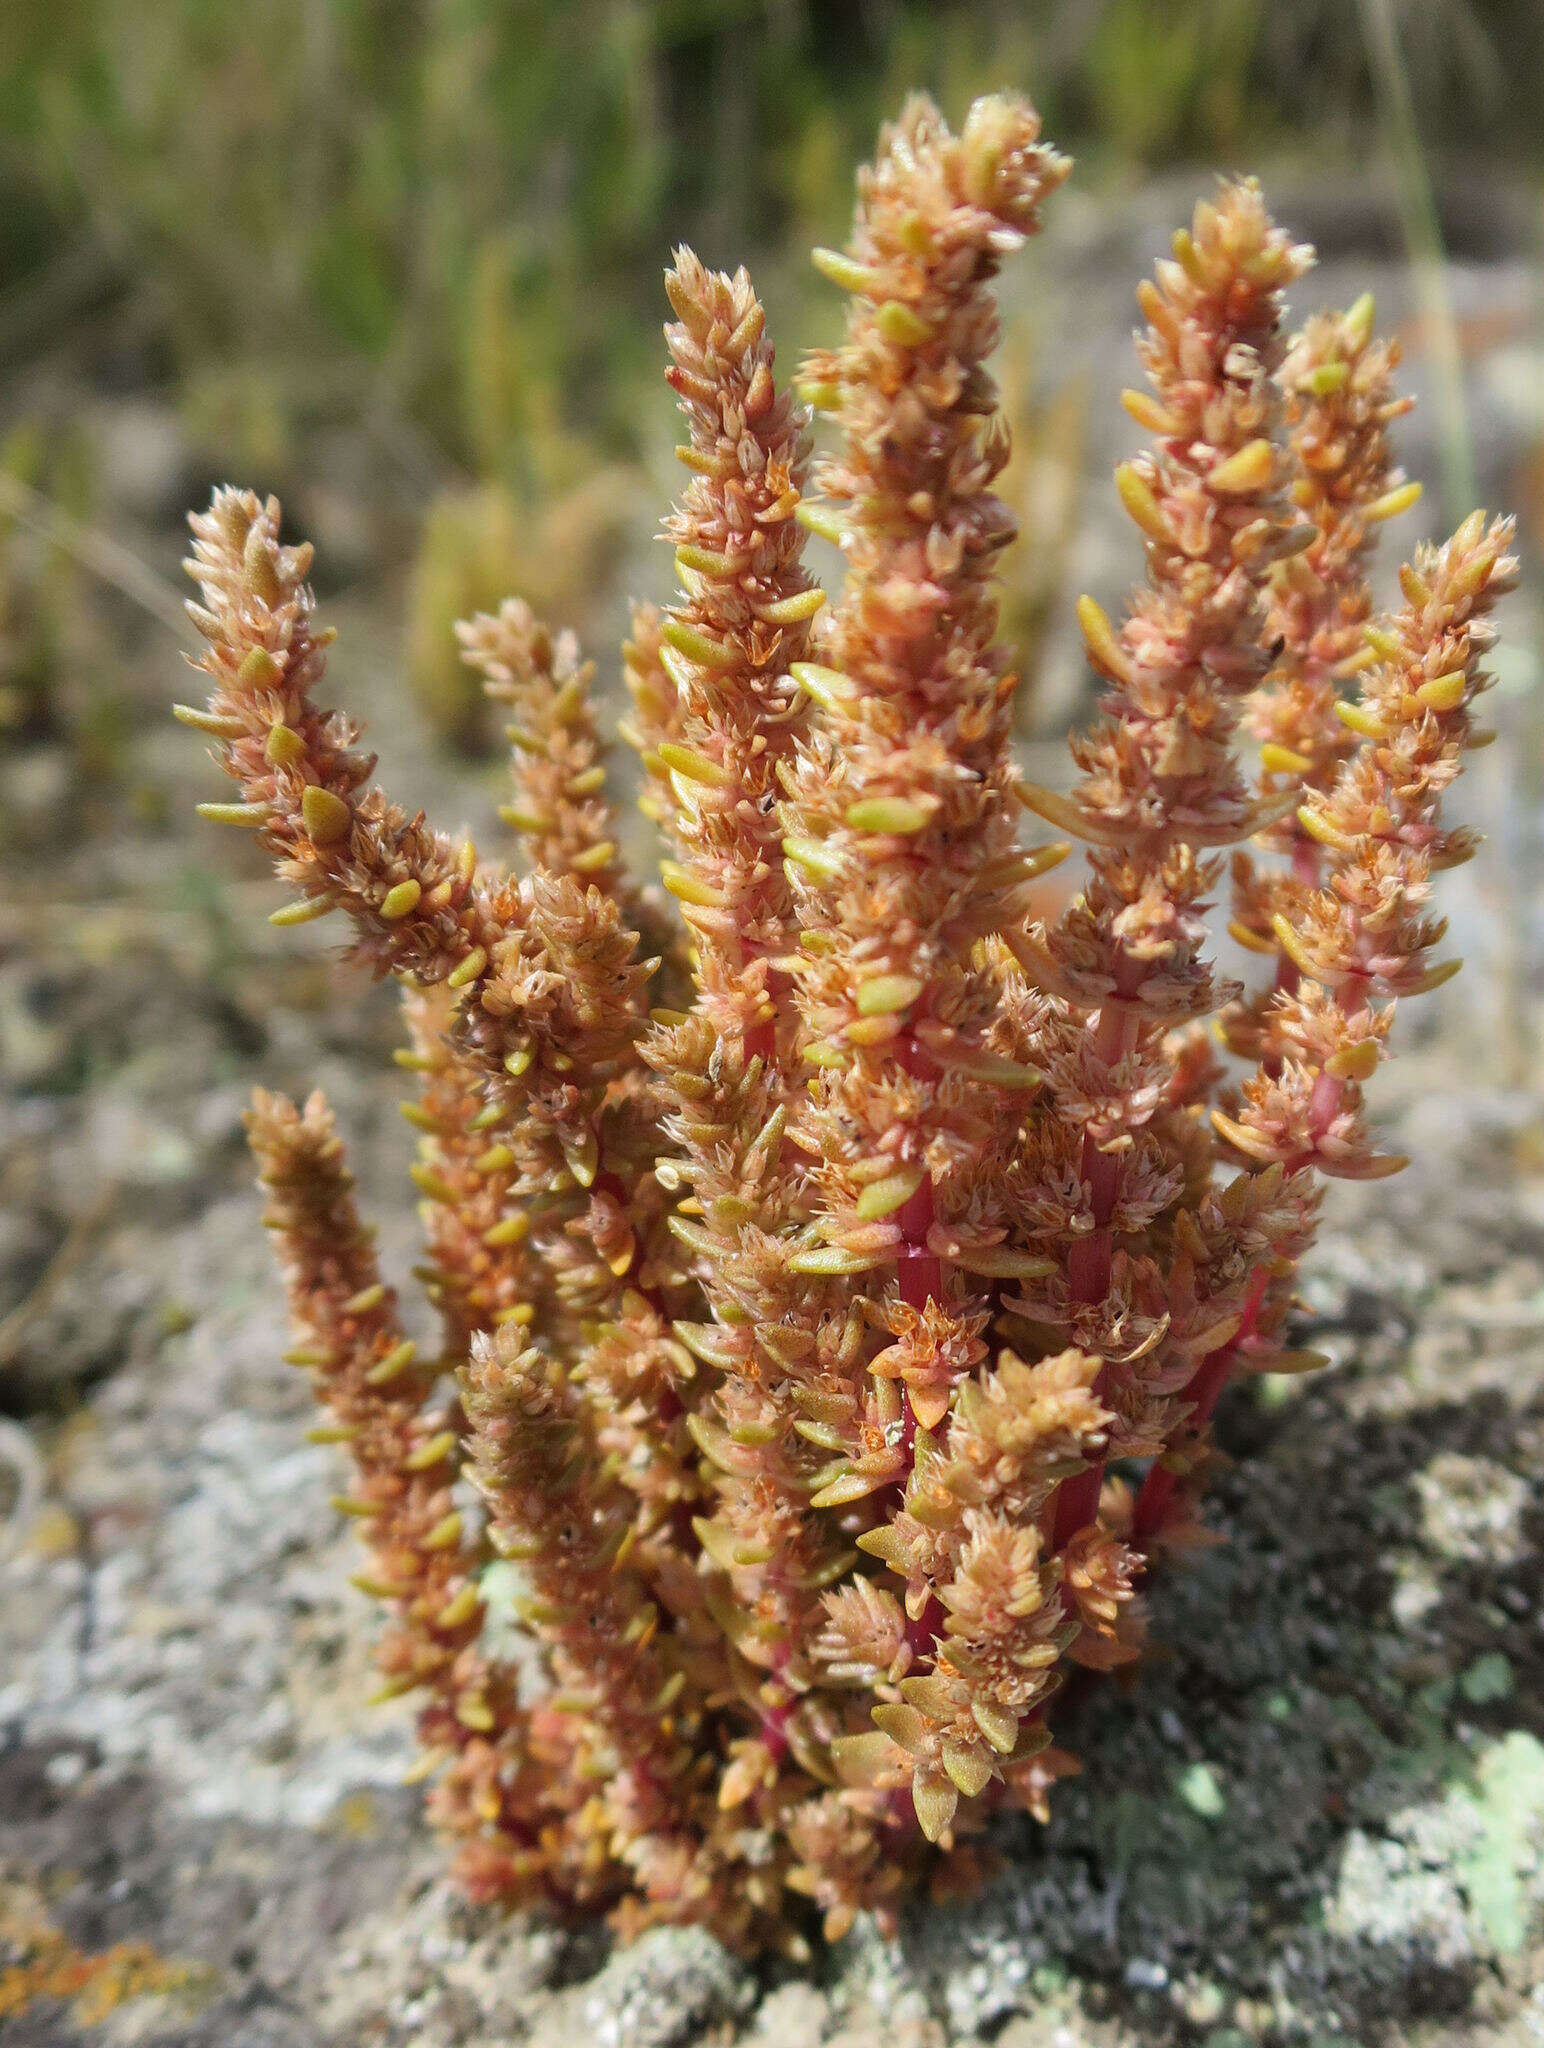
(919, 1272)
(1206, 1384)
(1307, 861)
(1090, 1260)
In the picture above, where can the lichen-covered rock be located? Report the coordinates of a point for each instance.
(674, 1985)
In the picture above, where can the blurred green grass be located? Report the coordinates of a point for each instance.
(441, 223)
(461, 207)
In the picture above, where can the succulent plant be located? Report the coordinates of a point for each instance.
(832, 1348)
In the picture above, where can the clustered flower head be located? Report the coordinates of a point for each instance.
(829, 1350)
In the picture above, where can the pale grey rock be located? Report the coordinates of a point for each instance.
(671, 1987)
(1472, 1509)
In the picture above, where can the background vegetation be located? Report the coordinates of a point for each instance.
(400, 258)
(457, 208)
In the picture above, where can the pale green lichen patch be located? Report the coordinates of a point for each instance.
(1455, 1879)
(1507, 1808)
(1488, 1679)
(1202, 1792)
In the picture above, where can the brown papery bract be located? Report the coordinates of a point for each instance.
(788, 1329)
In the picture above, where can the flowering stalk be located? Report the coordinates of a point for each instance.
(546, 972)
(423, 1562)
(900, 844)
(1160, 787)
(728, 648)
(556, 762)
(480, 1273)
(898, 834)
(1338, 406)
(553, 1507)
(340, 843)
(730, 644)
(655, 720)
(599, 1266)
(1365, 933)
(1336, 380)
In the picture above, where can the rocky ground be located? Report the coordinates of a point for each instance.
(1318, 1817)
